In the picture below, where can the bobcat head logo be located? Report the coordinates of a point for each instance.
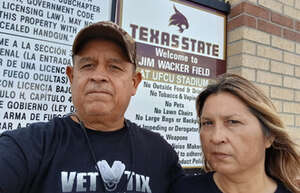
(179, 20)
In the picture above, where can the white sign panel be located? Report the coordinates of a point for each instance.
(178, 25)
(180, 46)
(35, 48)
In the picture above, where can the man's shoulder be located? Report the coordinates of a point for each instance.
(148, 138)
(37, 129)
(281, 187)
(142, 132)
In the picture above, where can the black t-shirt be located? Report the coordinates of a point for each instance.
(54, 157)
(206, 184)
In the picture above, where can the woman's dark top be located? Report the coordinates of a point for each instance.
(206, 184)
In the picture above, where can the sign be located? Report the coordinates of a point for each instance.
(36, 37)
(180, 47)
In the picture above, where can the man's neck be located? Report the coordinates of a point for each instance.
(99, 125)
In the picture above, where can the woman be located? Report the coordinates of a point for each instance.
(245, 147)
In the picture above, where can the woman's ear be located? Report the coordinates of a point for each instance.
(269, 141)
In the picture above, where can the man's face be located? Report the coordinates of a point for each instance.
(102, 81)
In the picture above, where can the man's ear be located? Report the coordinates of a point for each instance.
(69, 72)
(136, 80)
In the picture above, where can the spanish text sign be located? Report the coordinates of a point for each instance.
(35, 48)
(180, 47)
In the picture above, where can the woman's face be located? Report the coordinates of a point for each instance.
(231, 136)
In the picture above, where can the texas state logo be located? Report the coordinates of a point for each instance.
(179, 20)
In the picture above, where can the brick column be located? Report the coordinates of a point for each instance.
(264, 46)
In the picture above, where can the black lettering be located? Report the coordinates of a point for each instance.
(53, 69)
(185, 45)
(82, 5)
(29, 56)
(32, 106)
(208, 45)
(85, 14)
(63, 89)
(15, 74)
(22, 9)
(6, 125)
(138, 117)
(154, 36)
(14, 116)
(9, 53)
(14, 27)
(50, 78)
(11, 63)
(165, 39)
(28, 65)
(47, 97)
(175, 41)
(74, 20)
(42, 33)
(68, 28)
(215, 51)
(153, 93)
(9, 94)
(8, 16)
(55, 60)
(35, 116)
(143, 34)
(193, 42)
(48, 117)
(4, 41)
(133, 30)
(26, 45)
(25, 85)
(6, 83)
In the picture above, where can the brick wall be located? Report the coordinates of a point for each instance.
(263, 39)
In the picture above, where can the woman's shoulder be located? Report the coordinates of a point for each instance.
(196, 180)
(202, 183)
(281, 188)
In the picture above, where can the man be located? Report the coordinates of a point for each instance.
(95, 149)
